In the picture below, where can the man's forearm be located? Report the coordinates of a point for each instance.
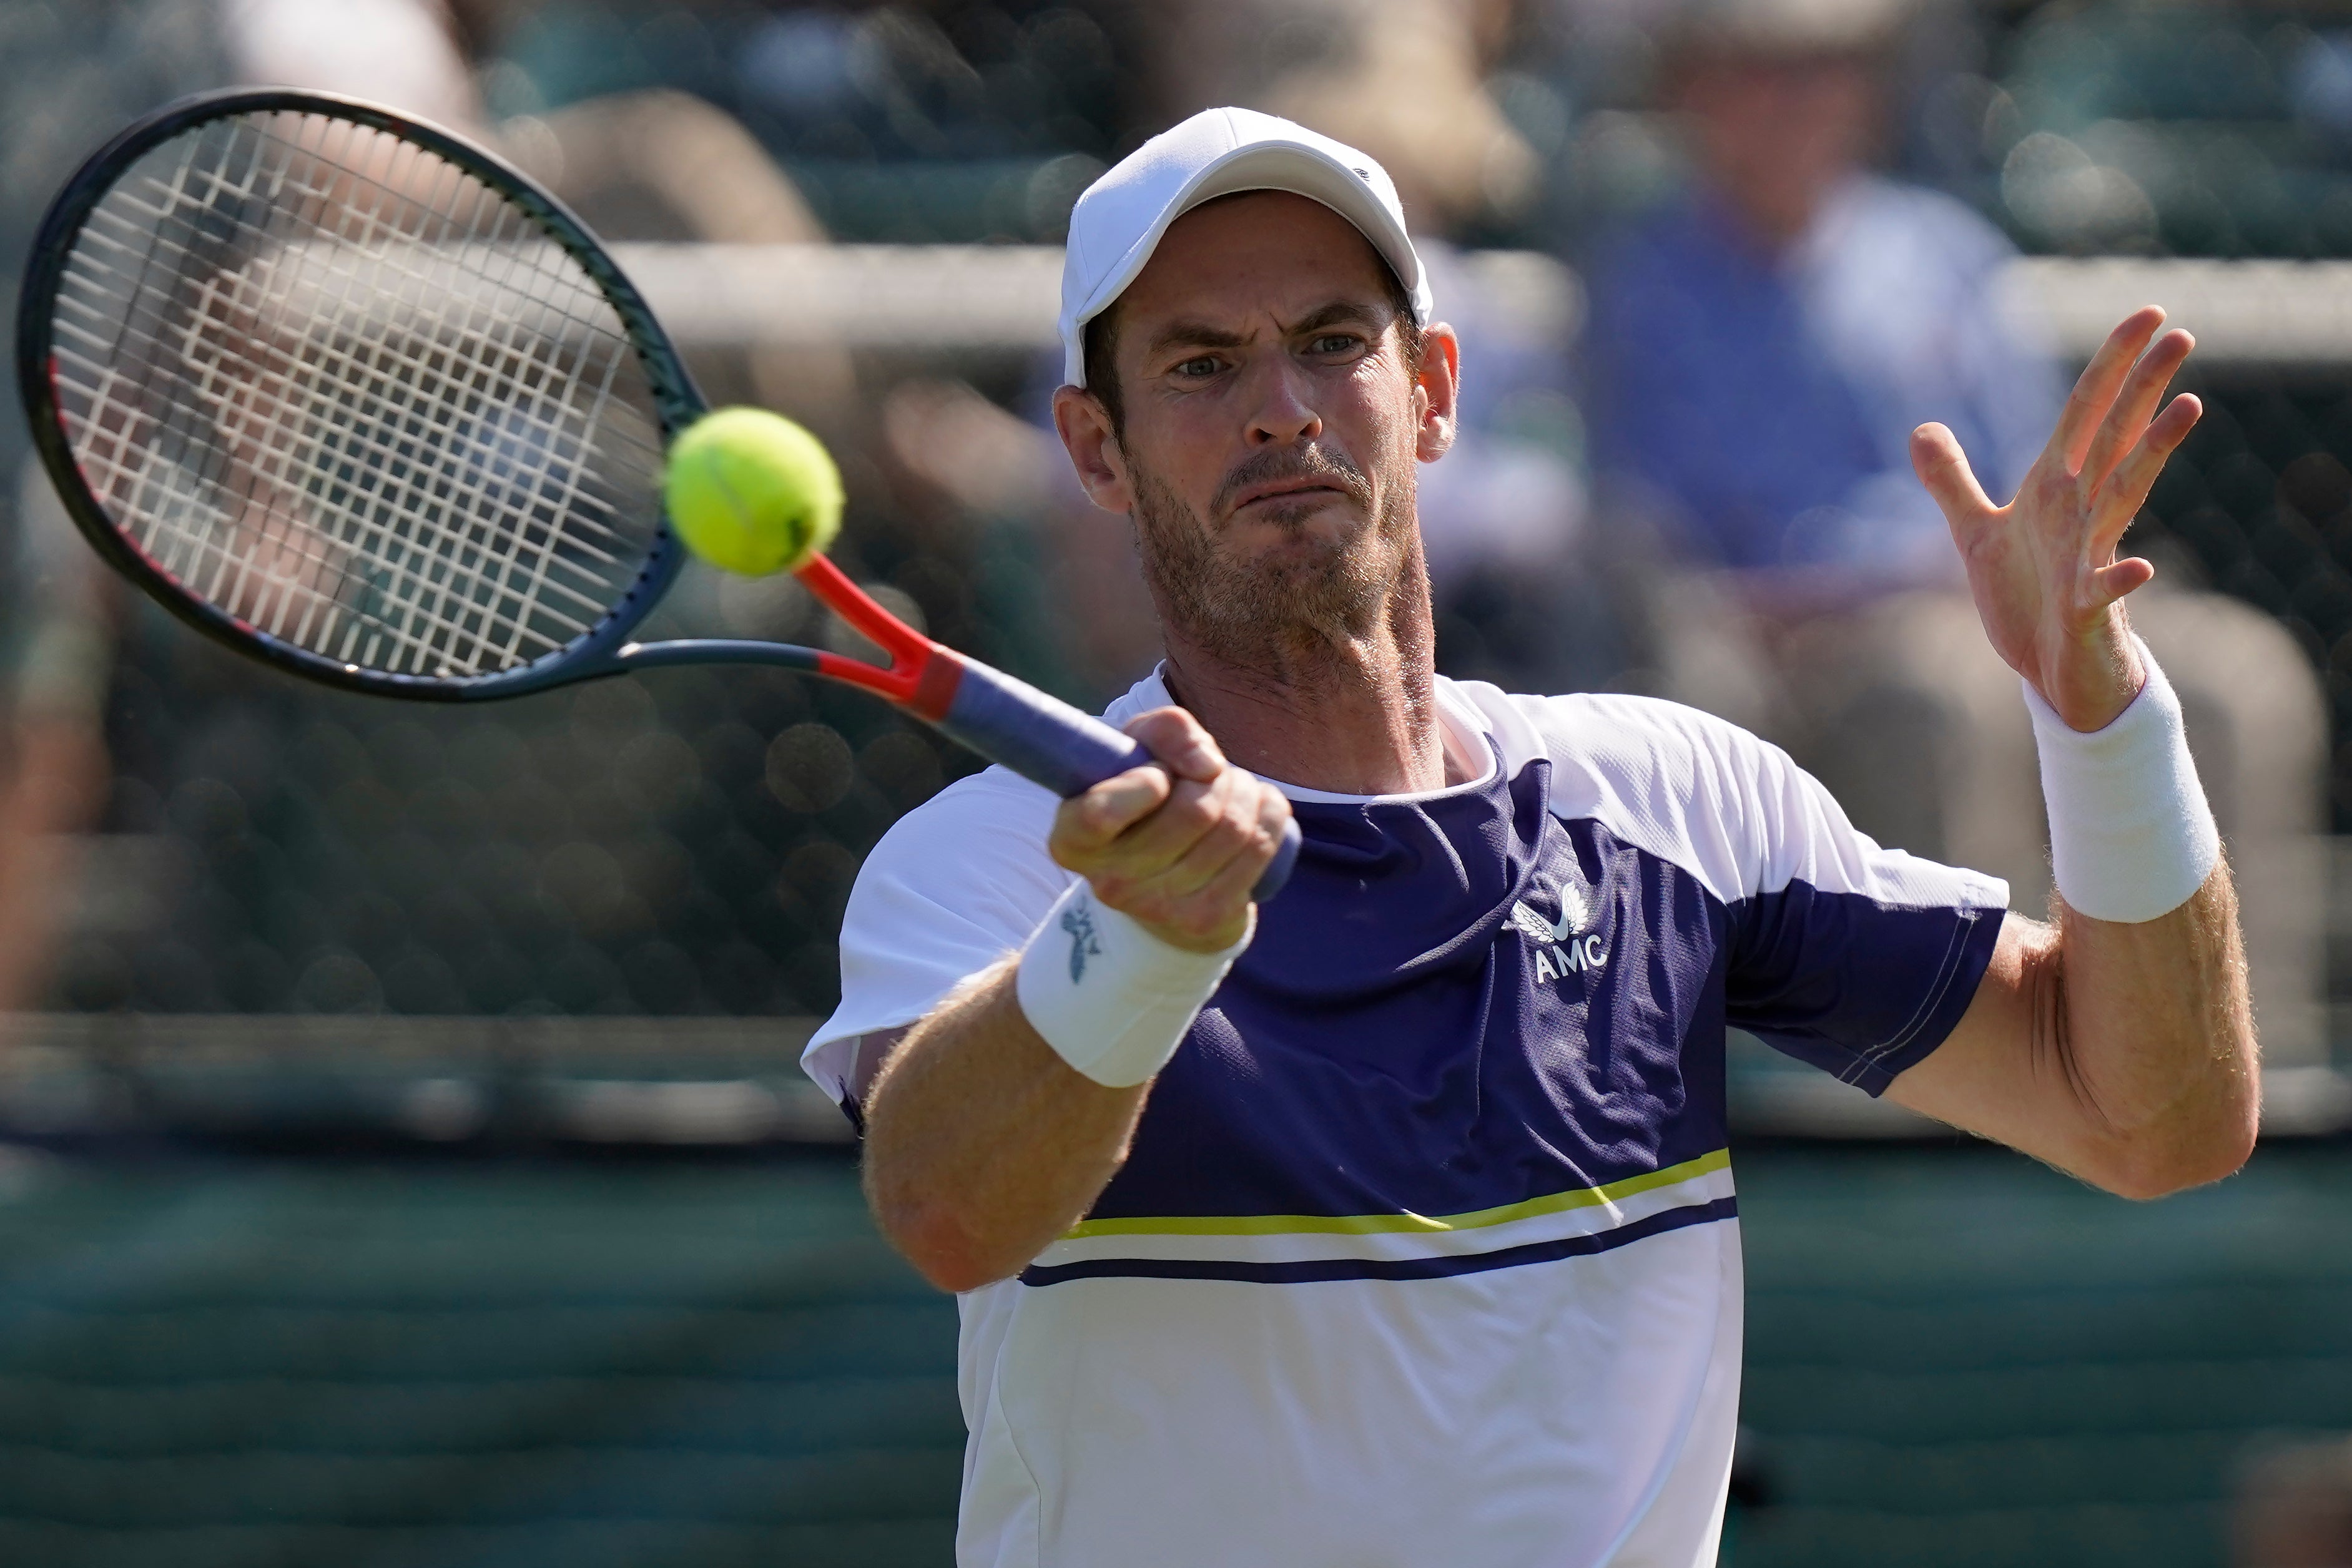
(982, 1144)
(2158, 1035)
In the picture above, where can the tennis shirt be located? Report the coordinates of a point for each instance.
(1426, 1251)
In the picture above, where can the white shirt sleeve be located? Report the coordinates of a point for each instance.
(954, 887)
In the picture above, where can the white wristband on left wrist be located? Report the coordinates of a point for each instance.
(1112, 999)
(2131, 836)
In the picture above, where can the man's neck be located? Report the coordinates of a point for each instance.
(1352, 716)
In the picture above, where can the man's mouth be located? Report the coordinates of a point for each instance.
(1286, 489)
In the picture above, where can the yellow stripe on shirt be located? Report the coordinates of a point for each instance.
(1378, 1224)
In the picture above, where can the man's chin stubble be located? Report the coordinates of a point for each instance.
(1264, 613)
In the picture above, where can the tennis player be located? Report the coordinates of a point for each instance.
(1391, 1223)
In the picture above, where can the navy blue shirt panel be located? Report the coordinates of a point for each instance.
(1393, 1042)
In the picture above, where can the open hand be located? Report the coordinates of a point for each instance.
(2043, 568)
(1178, 847)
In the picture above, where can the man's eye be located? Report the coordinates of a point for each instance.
(1333, 343)
(1205, 365)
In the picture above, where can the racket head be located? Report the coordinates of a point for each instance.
(353, 396)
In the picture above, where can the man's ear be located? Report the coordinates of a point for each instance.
(1435, 391)
(1084, 425)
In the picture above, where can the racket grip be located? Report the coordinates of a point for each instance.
(1048, 742)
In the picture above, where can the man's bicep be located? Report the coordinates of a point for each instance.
(1988, 1077)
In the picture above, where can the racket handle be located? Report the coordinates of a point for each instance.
(1048, 742)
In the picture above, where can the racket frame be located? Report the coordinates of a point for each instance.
(605, 649)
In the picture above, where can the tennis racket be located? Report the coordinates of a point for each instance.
(356, 398)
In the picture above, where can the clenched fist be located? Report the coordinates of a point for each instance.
(1178, 847)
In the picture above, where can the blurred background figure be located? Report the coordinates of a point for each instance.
(642, 163)
(57, 646)
(1764, 344)
(1761, 348)
(69, 79)
(1403, 80)
(59, 614)
(175, 754)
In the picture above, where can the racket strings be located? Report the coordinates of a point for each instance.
(368, 363)
(215, 587)
(350, 393)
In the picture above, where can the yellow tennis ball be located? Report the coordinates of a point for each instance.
(751, 492)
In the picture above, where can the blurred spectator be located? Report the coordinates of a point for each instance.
(1502, 516)
(58, 644)
(71, 79)
(645, 164)
(662, 165)
(260, 853)
(1403, 80)
(1762, 349)
(1806, 315)
(53, 770)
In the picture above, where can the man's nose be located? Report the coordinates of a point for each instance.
(1285, 413)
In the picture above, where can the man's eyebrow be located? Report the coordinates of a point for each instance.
(1358, 311)
(1192, 335)
(1200, 335)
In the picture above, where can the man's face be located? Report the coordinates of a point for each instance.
(1272, 420)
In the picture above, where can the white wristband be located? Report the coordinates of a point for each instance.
(1113, 999)
(2130, 834)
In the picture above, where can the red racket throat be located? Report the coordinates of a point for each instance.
(922, 676)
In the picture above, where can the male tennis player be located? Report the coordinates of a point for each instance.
(1391, 1224)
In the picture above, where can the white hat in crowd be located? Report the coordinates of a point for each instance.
(1117, 222)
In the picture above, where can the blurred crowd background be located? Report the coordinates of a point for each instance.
(1711, 260)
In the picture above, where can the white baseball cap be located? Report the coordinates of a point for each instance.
(1118, 221)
